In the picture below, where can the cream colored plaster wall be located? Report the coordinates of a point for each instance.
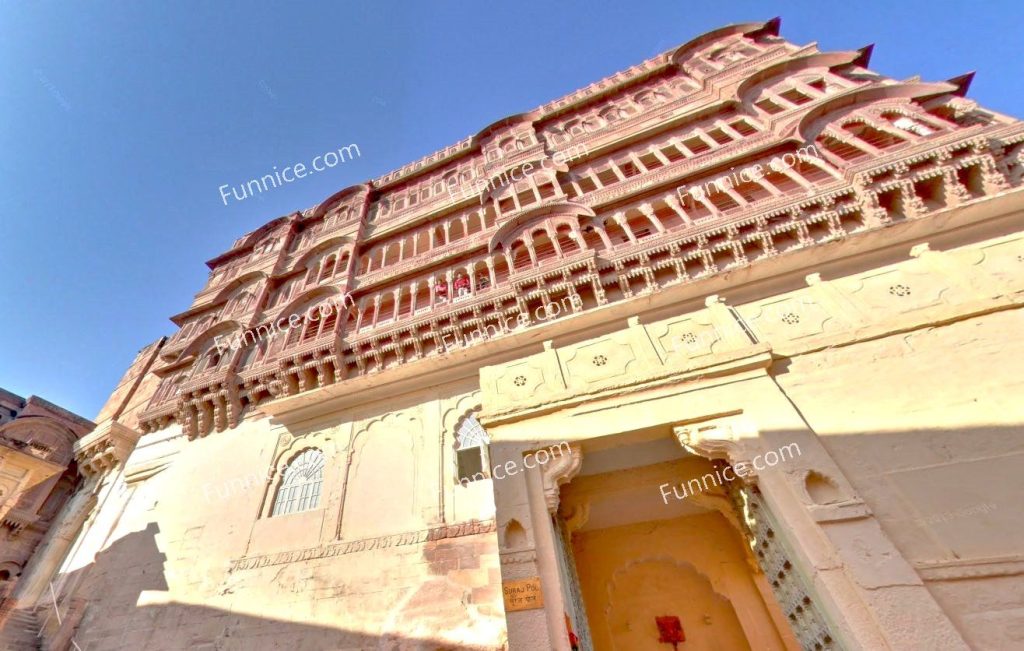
(928, 426)
(897, 376)
(186, 556)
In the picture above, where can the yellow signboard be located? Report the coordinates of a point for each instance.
(523, 594)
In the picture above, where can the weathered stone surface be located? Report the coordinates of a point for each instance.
(860, 303)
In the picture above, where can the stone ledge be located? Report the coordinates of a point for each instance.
(470, 528)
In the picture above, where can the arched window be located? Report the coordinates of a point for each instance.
(240, 303)
(301, 484)
(869, 134)
(567, 239)
(520, 256)
(283, 293)
(213, 360)
(328, 267)
(471, 450)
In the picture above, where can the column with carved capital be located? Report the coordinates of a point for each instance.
(526, 499)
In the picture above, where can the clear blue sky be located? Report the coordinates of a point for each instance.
(119, 120)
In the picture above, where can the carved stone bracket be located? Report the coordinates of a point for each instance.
(731, 440)
(560, 470)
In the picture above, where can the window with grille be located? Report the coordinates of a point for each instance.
(471, 451)
(301, 484)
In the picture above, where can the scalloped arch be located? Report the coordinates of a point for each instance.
(813, 122)
(507, 121)
(765, 76)
(321, 208)
(291, 452)
(252, 238)
(206, 335)
(66, 437)
(523, 221)
(682, 53)
(407, 424)
(344, 240)
(307, 296)
(464, 405)
(229, 290)
(659, 558)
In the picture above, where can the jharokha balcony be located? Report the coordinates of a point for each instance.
(842, 151)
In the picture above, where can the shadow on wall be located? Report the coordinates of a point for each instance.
(133, 564)
(946, 499)
(941, 495)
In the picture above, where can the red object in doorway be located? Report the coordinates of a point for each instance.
(670, 630)
(574, 641)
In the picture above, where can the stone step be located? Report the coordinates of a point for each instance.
(20, 643)
(20, 632)
(22, 617)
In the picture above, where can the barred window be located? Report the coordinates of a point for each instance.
(300, 487)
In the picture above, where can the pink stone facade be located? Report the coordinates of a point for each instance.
(38, 475)
(422, 262)
(739, 246)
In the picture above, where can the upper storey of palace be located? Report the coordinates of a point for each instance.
(580, 198)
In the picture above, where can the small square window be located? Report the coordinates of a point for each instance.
(471, 464)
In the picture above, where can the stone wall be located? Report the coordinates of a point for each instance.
(184, 553)
(897, 375)
(927, 426)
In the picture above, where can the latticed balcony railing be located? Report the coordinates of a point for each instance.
(952, 175)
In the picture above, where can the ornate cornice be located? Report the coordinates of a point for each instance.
(105, 448)
(686, 94)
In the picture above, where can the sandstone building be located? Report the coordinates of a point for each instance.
(725, 346)
(38, 474)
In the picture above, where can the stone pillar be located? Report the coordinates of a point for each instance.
(620, 219)
(55, 544)
(648, 211)
(525, 504)
(97, 454)
(855, 591)
(490, 272)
